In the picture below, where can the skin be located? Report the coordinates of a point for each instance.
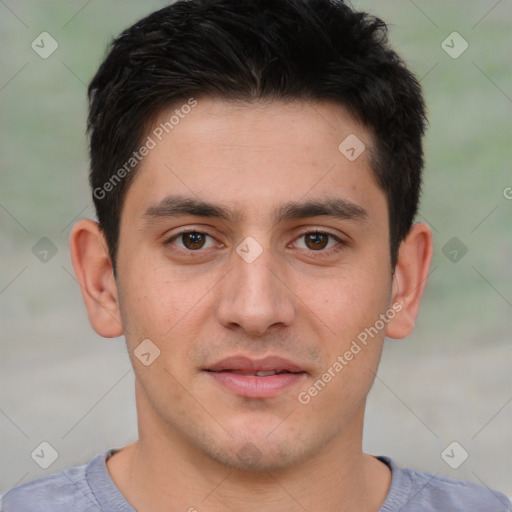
(305, 299)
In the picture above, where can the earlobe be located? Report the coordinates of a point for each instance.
(93, 269)
(410, 278)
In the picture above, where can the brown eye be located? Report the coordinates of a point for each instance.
(316, 241)
(321, 242)
(193, 240)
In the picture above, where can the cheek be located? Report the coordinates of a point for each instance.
(172, 312)
(349, 326)
(155, 300)
(350, 300)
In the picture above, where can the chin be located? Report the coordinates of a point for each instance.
(250, 458)
(259, 452)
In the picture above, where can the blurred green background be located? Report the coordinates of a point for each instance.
(449, 381)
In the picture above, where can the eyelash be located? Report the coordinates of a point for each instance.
(322, 252)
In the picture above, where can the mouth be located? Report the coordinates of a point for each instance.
(252, 378)
(259, 373)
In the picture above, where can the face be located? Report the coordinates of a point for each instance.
(249, 245)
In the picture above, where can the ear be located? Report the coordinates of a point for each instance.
(93, 269)
(409, 280)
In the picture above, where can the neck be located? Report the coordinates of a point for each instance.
(162, 470)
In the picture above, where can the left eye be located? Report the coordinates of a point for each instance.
(317, 240)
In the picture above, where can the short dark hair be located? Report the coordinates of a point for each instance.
(249, 50)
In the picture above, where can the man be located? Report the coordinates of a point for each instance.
(256, 169)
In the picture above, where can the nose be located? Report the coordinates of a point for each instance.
(254, 296)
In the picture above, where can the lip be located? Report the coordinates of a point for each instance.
(237, 375)
(246, 364)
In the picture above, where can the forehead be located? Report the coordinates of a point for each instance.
(256, 156)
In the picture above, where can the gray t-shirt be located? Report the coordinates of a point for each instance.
(89, 488)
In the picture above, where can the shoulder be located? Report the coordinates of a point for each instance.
(421, 491)
(451, 494)
(59, 492)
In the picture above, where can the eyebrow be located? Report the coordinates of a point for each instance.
(179, 206)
